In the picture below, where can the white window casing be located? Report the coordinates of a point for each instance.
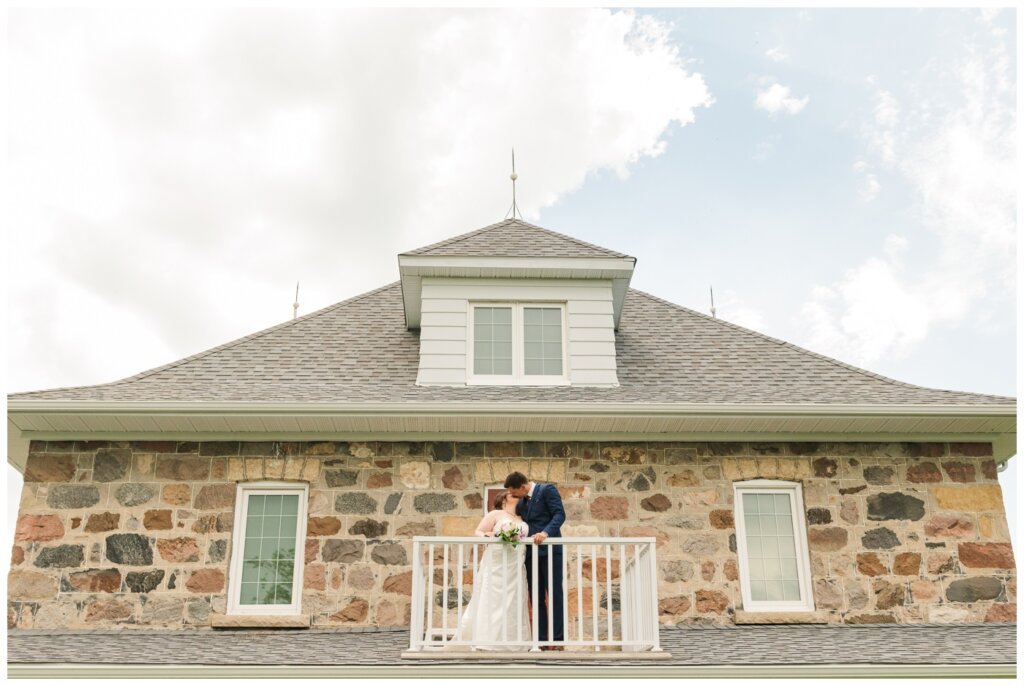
(240, 576)
(519, 375)
(769, 555)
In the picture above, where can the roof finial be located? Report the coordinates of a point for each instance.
(712, 289)
(514, 210)
(295, 305)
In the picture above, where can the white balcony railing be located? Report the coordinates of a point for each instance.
(609, 603)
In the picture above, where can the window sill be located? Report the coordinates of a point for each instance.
(743, 617)
(259, 621)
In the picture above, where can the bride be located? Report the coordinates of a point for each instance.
(497, 609)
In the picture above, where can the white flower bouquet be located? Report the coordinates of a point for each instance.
(510, 533)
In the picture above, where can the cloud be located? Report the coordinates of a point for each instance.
(731, 308)
(776, 98)
(869, 185)
(957, 155)
(776, 54)
(175, 173)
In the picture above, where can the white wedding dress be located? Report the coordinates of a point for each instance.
(497, 609)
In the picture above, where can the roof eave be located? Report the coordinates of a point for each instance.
(413, 268)
(107, 420)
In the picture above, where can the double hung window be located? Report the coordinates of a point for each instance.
(517, 343)
(772, 547)
(267, 549)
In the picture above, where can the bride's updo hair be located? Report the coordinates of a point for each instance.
(499, 502)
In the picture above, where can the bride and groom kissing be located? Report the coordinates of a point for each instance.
(497, 610)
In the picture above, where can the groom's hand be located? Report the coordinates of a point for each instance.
(539, 537)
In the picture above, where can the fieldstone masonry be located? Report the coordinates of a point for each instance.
(139, 534)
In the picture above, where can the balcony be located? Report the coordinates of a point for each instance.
(609, 603)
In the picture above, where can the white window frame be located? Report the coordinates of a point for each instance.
(518, 377)
(238, 546)
(796, 501)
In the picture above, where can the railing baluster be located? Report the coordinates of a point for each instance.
(459, 580)
(519, 600)
(608, 587)
(416, 616)
(504, 569)
(637, 587)
(625, 623)
(593, 596)
(444, 596)
(652, 582)
(579, 588)
(565, 596)
(534, 614)
(549, 602)
(430, 594)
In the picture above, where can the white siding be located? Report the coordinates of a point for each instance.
(444, 332)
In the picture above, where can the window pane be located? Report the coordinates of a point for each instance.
(492, 340)
(249, 594)
(772, 563)
(543, 325)
(269, 544)
(271, 527)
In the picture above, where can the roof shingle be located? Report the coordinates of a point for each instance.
(514, 238)
(359, 350)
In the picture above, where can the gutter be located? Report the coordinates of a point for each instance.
(15, 405)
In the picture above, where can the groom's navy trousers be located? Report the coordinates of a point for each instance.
(543, 512)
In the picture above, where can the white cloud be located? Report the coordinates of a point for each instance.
(776, 54)
(174, 173)
(958, 157)
(777, 98)
(731, 308)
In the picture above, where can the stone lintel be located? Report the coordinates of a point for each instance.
(743, 617)
(259, 621)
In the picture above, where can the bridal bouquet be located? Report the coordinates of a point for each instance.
(510, 533)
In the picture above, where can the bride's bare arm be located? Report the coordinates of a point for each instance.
(486, 525)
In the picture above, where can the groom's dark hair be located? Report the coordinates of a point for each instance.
(515, 480)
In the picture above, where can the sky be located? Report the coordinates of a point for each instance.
(844, 179)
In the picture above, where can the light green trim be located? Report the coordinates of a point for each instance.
(468, 671)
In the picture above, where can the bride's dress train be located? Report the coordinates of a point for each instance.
(497, 609)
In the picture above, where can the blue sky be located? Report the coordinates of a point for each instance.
(845, 179)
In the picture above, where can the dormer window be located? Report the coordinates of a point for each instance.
(517, 343)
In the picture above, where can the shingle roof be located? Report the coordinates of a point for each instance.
(689, 646)
(359, 350)
(514, 238)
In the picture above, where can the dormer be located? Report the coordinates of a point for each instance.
(516, 305)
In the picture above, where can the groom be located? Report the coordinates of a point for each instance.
(540, 506)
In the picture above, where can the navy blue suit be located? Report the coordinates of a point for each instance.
(544, 512)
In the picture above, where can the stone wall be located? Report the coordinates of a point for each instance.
(139, 534)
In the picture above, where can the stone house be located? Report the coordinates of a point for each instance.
(781, 486)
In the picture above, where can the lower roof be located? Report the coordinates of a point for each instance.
(690, 646)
